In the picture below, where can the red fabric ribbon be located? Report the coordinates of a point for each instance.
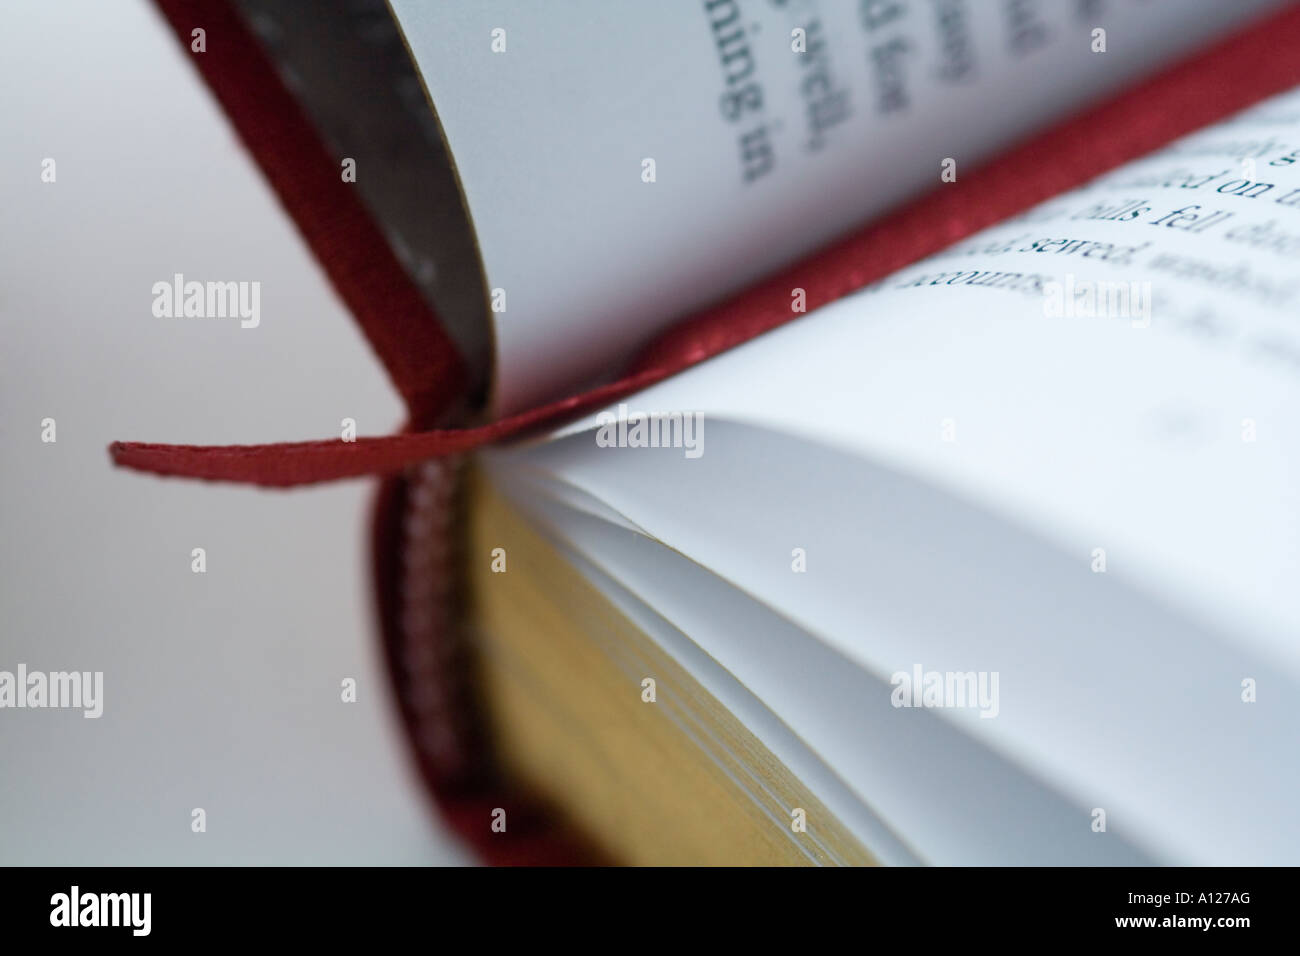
(424, 364)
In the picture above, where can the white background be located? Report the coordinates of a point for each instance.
(222, 690)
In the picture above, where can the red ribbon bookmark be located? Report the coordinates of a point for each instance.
(424, 364)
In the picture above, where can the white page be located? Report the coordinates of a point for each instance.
(1102, 430)
(550, 134)
(1076, 433)
(906, 783)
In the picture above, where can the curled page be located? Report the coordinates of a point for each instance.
(1062, 452)
(623, 164)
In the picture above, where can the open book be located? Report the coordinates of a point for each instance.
(994, 561)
